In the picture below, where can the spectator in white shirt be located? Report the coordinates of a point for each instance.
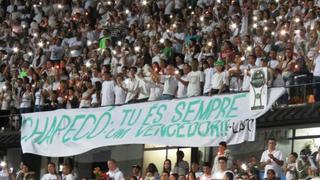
(272, 158)
(52, 173)
(131, 86)
(75, 46)
(56, 50)
(183, 83)
(170, 83)
(206, 167)
(120, 94)
(66, 172)
(107, 92)
(209, 70)
(114, 172)
(195, 79)
(219, 79)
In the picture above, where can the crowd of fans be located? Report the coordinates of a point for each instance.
(89, 53)
(272, 166)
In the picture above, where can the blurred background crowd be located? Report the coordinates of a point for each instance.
(89, 53)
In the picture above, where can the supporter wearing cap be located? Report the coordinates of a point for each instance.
(219, 79)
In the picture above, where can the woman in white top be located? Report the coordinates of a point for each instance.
(26, 99)
(120, 94)
(39, 98)
(96, 96)
(52, 173)
(86, 96)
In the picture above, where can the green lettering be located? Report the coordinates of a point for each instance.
(181, 104)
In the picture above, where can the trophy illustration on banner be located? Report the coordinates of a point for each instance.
(258, 89)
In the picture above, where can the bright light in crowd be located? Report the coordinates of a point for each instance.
(297, 20)
(233, 25)
(35, 34)
(244, 167)
(137, 49)
(127, 11)
(218, 1)
(148, 25)
(201, 18)
(89, 43)
(280, 17)
(176, 71)
(210, 43)
(249, 48)
(144, 2)
(255, 25)
(3, 164)
(114, 52)
(161, 40)
(109, 3)
(15, 49)
(174, 25)
(119, 43)
(40, 44)
(297, 31)
(243, 58)
(23, 26)
(190, 7)
(277, 1)
(192, 12)
(171, 16)
(4, 87)
(255, 18)
(265, 21)
(273, 33)
(60, 6)
(88, 64)
(29, 53)
(265, 28)
(283, 32)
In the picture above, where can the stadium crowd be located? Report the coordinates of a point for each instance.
(89, 53)
(272, 166)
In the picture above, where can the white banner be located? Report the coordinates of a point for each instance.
(194, 122)
(258, 89)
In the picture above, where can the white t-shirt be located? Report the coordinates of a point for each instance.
(68, 177)
(56, 52)
(218, 80)
(120, 95)
(208, 74)
(72, 43)
(50, 177)
(194, 78)
(115, 175)
(273, 63)
(170, 84)
(132, 84)
(204, 177)
(182, 89)
(107, 93)
(316, 71)
(273, 165)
